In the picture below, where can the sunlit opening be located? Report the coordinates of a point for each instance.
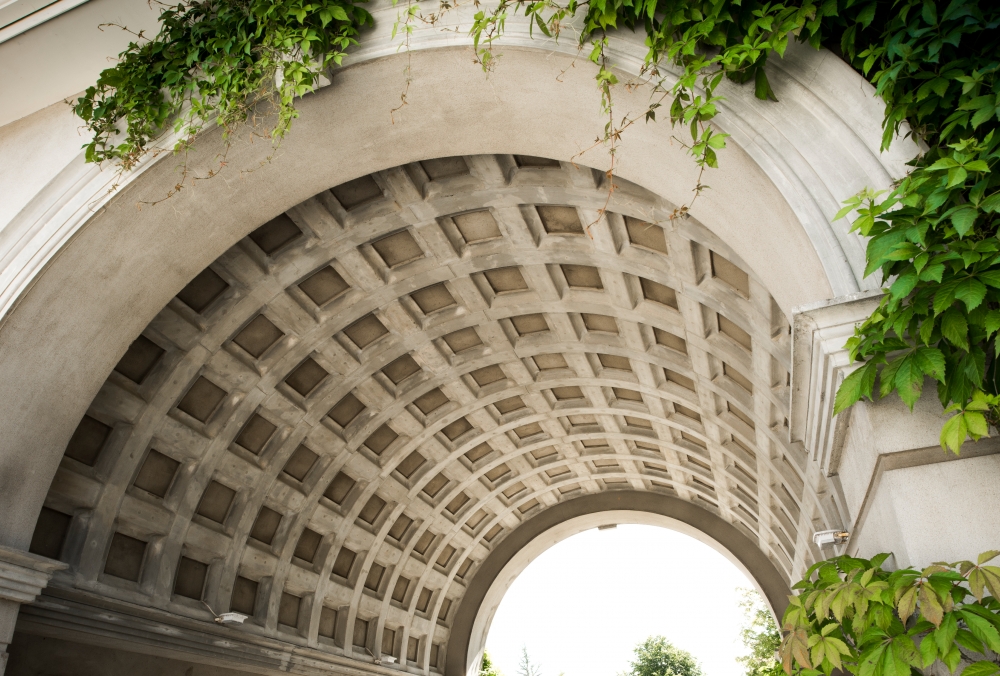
(582, 607)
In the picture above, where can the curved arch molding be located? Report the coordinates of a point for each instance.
(82, 271)
(460, 659)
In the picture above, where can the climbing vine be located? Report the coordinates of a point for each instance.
(851, 615)
(216, 61)
(932, 237)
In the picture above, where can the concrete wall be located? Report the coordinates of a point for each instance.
(907, 495)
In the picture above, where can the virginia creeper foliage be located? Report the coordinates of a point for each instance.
(853, 616)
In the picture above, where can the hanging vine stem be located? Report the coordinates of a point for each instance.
(405, 21)
(407, 25)
(685, 49)
(612, 135)
(606, 79)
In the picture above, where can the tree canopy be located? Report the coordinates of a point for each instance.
(488, 668)
(656, 656)
(760, 636)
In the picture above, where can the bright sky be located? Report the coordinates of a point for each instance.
(582, 606)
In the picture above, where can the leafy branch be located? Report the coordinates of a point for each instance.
(217, 60)
(933, 237)
(852, 615)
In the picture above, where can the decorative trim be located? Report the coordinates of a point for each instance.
(37, 18)
(23, 576)
(819, 364)
(916, 457)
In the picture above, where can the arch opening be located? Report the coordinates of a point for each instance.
(584, 605)
(590, 514)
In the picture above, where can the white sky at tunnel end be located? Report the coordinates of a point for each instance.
(583, 605)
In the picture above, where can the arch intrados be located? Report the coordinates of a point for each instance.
(125, 264)
(523, 545)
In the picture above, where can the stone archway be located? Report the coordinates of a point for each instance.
(335, 425)
(681, 338)
(82, 283)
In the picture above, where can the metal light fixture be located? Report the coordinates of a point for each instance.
(228, 619)
(837, 536)
(231, 618)
(387, 659)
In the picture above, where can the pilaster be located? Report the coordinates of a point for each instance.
(898, 490)
(22, 578)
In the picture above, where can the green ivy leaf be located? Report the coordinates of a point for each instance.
(930, 605)
(991, 204)
(952, 658)
(945, 296)
(981, 628)
(971, 292)
(992, 322)
(954, 432)
(905, 283)
(991, 277)
(955, 328)
(963, 219)
(981, 668)
(931, 362)
(944, 635)
(928, 651)
(857, 384)
(909, 380)
(932, 273)
(987, 556)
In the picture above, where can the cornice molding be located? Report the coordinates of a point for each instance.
(23, 576)
(82, 617)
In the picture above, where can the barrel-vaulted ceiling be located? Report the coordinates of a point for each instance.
(330, 426)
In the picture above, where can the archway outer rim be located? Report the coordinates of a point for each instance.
(49, 221)
(767, 577)
(68, 202)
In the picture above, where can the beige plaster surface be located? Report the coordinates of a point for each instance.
(33, 150)
(63, 56)
(939, 512)
(48, 656)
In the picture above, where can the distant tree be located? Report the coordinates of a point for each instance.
(760, 636)
(526, 667)
(656, 656)
(488, 668)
